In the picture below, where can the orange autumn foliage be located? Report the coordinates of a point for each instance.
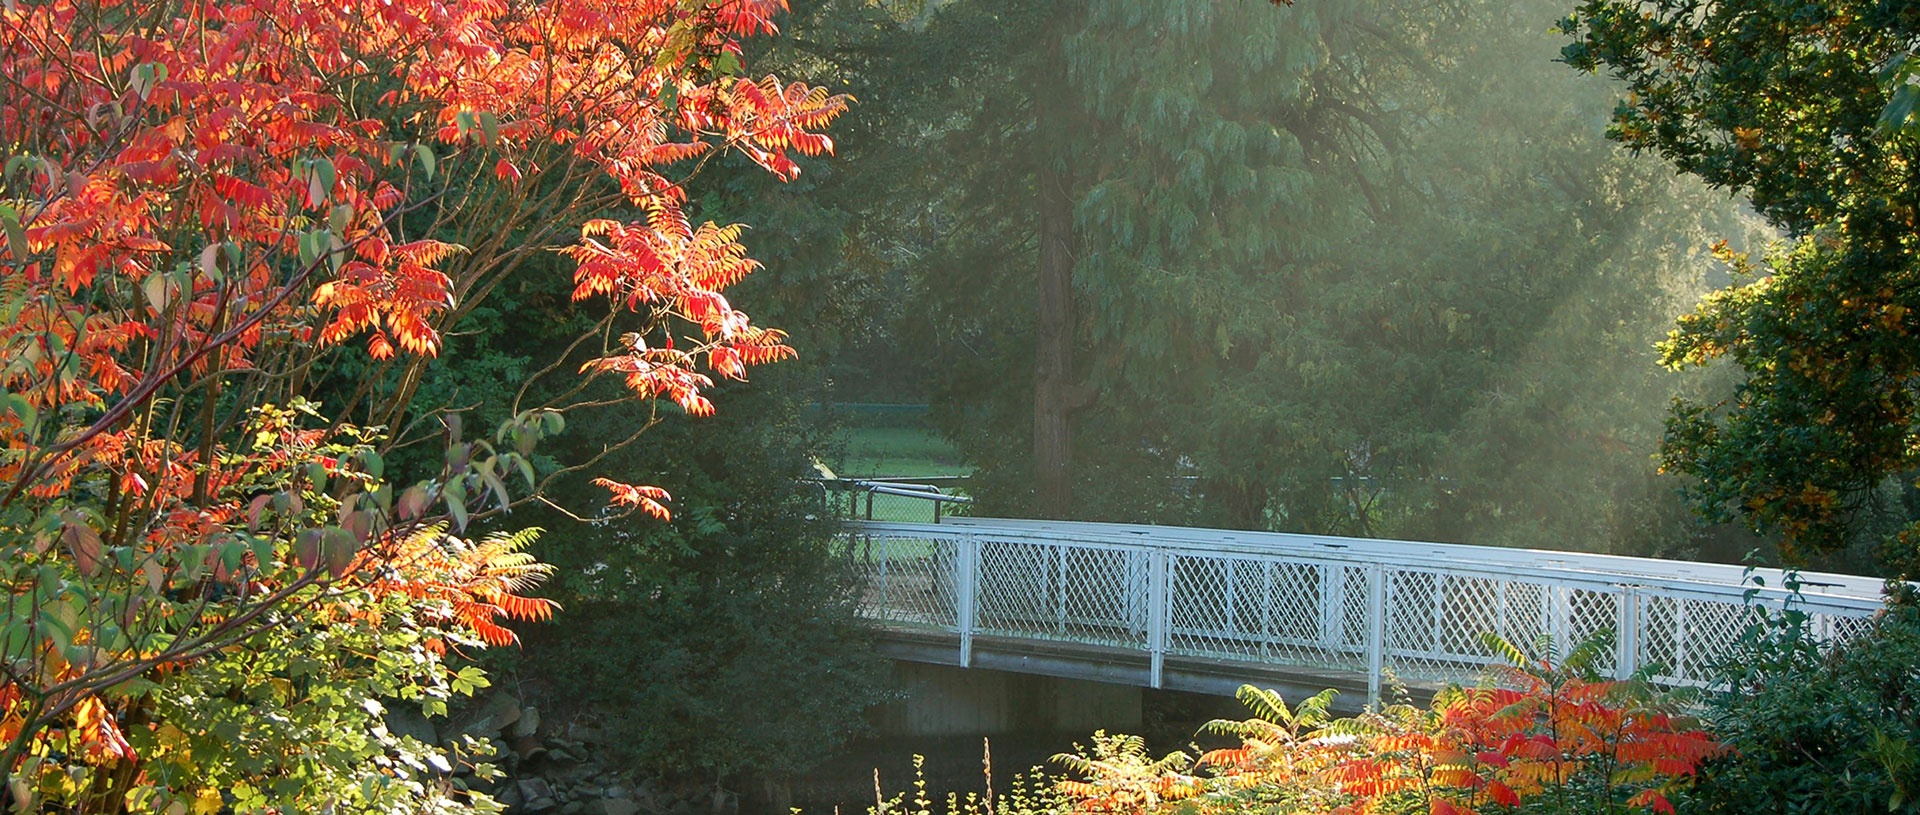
(1544, 732)
(199, 198)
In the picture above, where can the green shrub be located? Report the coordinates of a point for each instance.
(1820, 730)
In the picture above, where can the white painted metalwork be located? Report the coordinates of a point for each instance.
(1363, 607)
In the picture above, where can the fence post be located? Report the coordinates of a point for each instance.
(1158, 614)
(1559, 619)
(1376, 631)
(1626, 658)
(968, 571)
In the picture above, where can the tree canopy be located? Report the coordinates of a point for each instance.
(1275, 265)
(1793, 104)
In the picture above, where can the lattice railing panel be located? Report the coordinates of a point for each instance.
(1265, 610)
(1061, 593)
(1590, 615)
(1437, 622)
(910, 581)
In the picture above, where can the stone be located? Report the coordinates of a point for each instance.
(534, 789)
(617, 791)
(573, 808)
(583, 732)
(502, 710)
(529, 722)
(403, 720)
(614, 806)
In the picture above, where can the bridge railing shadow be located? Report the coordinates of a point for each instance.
(1355, 607)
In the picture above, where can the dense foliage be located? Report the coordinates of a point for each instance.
(1784, 100)
(215, 212)
(1815, 729)
(722, 645)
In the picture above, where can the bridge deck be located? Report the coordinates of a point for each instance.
(1206, 610)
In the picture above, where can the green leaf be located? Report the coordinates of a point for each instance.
(306, 549)
(20, 407)
(413, 502)
(145, 76)
(338, 547)
(16, 640)
(424, 155)
(371, 463)
(320, 178)
(489, 127)
(16, 235)
(155, 289)
(1898, 114)
(456, 495)
(340, 218)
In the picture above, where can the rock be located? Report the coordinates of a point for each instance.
(407, 721)
(614, 806)
(588, 790)
(538, 805)
(583, 732)
(573, 808)
(617, 791)
(533, 791)
(509, 796)
(528, 724)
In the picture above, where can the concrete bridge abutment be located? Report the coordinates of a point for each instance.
(947, 700)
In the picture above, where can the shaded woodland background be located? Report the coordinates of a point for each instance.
(1358, 267)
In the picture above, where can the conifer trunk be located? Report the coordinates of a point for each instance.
(1053, 354)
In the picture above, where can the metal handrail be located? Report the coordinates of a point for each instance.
(892, 487)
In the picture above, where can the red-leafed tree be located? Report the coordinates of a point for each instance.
(207, 205)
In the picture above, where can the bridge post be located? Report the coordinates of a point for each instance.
(1376, 631)
(1559, 622)
(1157, 614)
(1627, 637)
(966, 583)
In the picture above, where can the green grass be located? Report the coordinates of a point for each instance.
(896, 451)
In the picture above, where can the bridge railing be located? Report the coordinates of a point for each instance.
(917, 500)
(1327, 604)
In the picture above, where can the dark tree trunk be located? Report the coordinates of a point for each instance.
(1053, 353)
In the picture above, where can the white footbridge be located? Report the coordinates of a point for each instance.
(1207, 610)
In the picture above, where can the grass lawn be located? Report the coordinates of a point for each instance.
(896, 451)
